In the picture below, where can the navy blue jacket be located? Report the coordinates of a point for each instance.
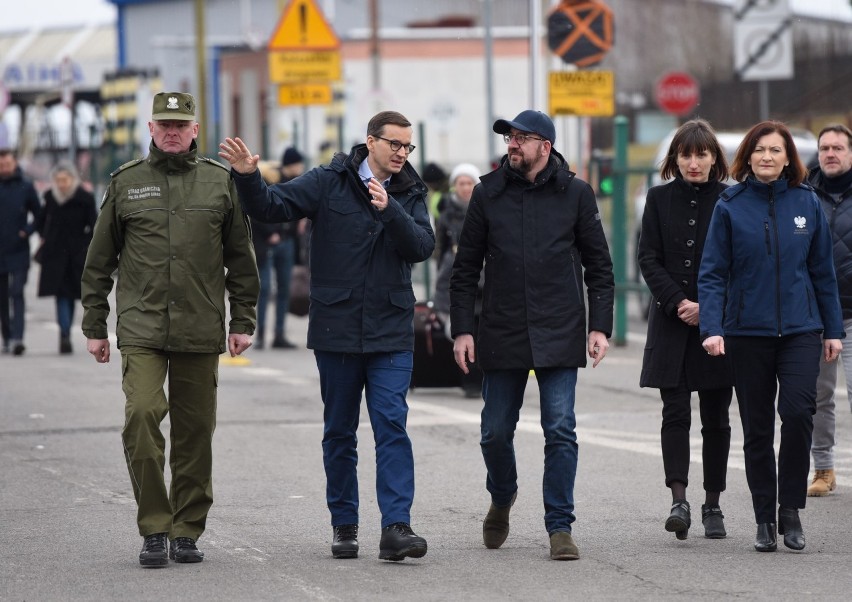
(362, 300)
(17, 199)
(539, 241)
(767, 267)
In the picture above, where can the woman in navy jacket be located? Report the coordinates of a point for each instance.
(767, 290)
(674, 227)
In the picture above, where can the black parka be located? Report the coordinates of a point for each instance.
(540, 241)
(66, 231)
(674, 228)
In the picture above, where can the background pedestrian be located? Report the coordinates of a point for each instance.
(832, 180)
(65, 227)
(19, 208)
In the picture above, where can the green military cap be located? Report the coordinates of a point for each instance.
(178, 106)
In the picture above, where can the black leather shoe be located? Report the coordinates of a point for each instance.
(765, 540)
(399, 541)
(183, 549)
(679, 519)
(714, 526)
(345, 544)
(790, 527)
(154, 550)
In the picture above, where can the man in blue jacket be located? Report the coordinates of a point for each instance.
(370, 223)
(18, 199)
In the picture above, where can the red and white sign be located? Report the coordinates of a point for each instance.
(677, 93)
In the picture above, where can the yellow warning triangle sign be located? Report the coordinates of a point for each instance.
(303, 27)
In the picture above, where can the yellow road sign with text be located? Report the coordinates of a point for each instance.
(303, 27)
(304, 94)
(299, 66)
(583, 93)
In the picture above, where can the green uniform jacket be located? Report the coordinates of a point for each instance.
(172, 225)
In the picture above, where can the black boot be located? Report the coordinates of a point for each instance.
(65, 345)
(183, 549)
(154, 550)
(399, 541)
(345, 544)
(790, 527)
(679, 519)
(714, 526)
(765, 540)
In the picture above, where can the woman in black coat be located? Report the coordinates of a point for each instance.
(674, 228)
(65, 226)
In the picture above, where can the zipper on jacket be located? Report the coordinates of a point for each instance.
(766, 237)
(777, 261)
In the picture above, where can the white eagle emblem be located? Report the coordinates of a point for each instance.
(172, 103)
(800, 222)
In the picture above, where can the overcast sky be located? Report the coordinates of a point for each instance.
(26, 14)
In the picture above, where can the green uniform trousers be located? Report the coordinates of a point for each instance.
(191, 406)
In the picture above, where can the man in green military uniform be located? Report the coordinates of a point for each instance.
(171, 224)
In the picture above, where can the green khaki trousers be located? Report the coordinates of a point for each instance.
(191, 406)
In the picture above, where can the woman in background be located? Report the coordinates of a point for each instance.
(65, 227)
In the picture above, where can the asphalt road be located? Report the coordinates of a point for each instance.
(67, 516)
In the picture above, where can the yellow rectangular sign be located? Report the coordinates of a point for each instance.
(299, 66)
(304, 94)
(582, 93)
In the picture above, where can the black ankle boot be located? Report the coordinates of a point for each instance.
(679, 519)
(345, 543)
(714, 525)
(154, 550)
(765, 540)
(790, 527)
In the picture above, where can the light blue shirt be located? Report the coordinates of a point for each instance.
(366, 174)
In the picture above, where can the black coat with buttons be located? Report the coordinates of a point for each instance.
(674, 228)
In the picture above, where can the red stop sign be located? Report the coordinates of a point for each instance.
(677, 92)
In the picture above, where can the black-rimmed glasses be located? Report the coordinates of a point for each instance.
(396, 145)
(519, 138)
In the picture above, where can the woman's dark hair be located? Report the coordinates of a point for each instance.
(694, 136)
(794, 172)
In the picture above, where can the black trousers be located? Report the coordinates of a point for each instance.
(762, 366)
(715, 434)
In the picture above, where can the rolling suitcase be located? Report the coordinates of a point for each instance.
(434, 365)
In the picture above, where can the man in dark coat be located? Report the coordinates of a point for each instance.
(832, 180)
(538, 230)
(370, 223)
(18, 201)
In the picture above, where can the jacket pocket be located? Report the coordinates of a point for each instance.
(344, 223)
(330, 295)
(402, 299)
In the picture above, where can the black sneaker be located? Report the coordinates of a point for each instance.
(18, 349)
(345, 544)
(183, 549)
(154, 550)
(399, 541)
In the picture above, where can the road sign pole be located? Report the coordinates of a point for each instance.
(619, 229)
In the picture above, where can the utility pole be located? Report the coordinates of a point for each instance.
(201, 66)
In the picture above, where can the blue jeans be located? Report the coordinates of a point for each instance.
(12, 290)
(384, 378)
(503, 391)
(64, 315)
(280, 260)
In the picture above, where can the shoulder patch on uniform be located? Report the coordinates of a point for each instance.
(214, 162)
(126, 165)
